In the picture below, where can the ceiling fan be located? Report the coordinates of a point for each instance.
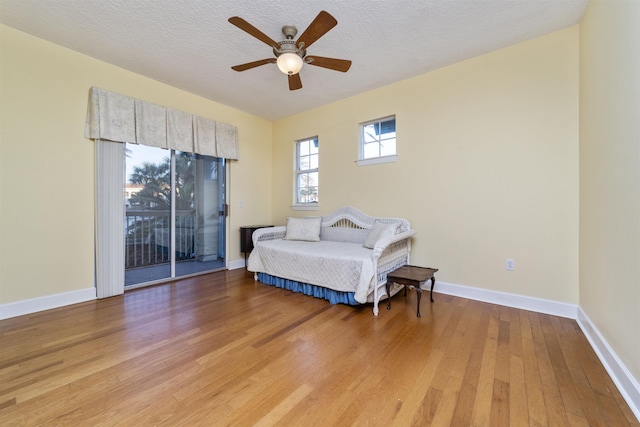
(290, 54)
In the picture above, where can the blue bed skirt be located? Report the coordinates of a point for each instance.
(334, 297)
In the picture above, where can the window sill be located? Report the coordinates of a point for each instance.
(377, 160)
(305, 207)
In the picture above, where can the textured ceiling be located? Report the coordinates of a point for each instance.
(190, 45)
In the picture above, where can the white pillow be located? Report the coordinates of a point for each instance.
(378, 231)
(305, 229)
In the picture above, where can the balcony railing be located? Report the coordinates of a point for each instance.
(148, 237)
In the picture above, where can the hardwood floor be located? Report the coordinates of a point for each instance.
(222, 349)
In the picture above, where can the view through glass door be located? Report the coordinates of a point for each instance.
(174, 214)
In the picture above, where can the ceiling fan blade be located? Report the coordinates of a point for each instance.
(318, 28)
(294, 82)
(253, 64)
(330, 63)
(245, 26)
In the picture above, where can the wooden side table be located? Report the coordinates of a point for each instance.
(412, 276)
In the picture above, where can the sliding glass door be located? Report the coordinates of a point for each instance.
(174, 214)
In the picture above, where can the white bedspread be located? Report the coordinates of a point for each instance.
(340, 266)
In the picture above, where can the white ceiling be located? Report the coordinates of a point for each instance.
(190, 45)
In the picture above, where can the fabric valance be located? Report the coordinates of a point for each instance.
(115, 117)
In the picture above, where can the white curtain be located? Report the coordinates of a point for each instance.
(110, 116)
(151, 126)
(115, 117)
(180, 131)
(204, 133)
(226, 141)
(112, 120)
(109, 231)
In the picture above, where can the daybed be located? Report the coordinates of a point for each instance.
(343, 257)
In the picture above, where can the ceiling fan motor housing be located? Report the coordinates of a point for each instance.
(289, 46)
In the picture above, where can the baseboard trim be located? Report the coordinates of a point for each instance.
(626, 383)
(20, 308)
(538, 305)
(236, 264)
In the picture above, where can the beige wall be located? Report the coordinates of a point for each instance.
(610, 174)
(487, 166)
(47, 166)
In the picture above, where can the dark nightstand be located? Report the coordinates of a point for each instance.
(246, 242)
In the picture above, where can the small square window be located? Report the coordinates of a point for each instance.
(378, 141)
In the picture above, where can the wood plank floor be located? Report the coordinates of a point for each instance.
(222, 349)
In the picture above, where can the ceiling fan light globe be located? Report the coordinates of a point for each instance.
(290, 63)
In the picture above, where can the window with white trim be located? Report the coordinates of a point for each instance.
(306, 176)
(378, 141)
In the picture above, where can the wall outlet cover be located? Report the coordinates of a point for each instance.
(510, 264)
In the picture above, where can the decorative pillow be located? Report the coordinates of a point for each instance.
(305, 229)
(378, 231)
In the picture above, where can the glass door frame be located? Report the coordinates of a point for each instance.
(223, 228)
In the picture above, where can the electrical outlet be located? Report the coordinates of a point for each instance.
(510, 264)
